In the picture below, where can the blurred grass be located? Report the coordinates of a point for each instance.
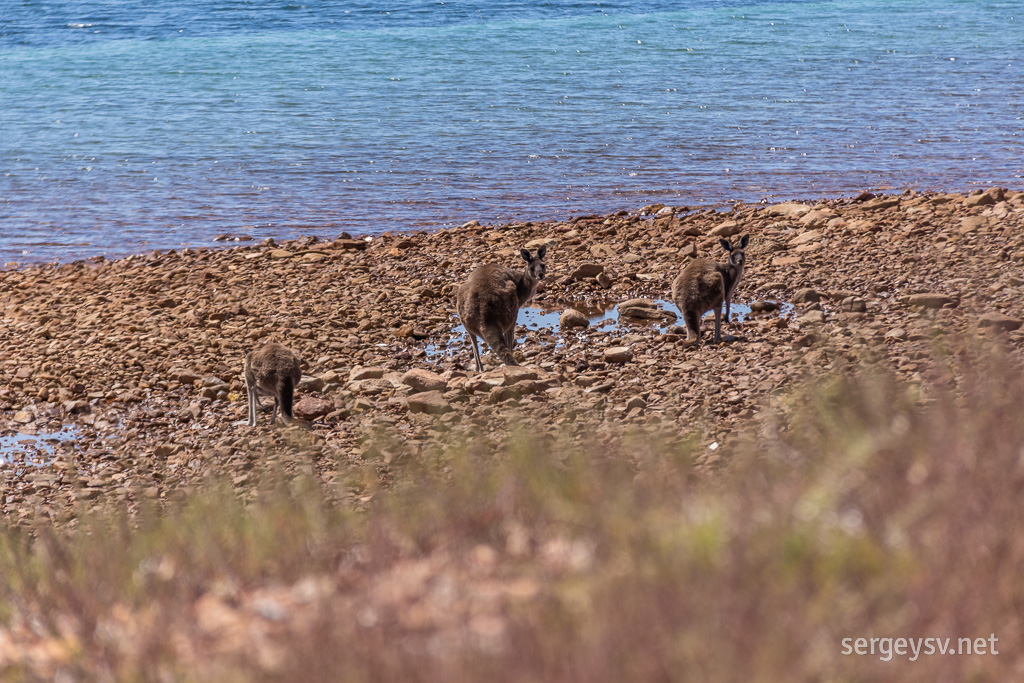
(864, 507)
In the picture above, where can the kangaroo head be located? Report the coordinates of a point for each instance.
(535, 265)
(737, 255)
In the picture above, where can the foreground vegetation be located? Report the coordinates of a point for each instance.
(858, 506)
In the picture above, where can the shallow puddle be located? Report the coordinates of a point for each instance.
(602, 316)
(36, 448)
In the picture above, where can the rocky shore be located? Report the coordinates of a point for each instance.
(125, 375)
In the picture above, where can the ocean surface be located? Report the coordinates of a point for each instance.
(128, 126)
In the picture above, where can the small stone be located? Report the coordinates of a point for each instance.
(983, 199)
(969, 224)
(764, 306)
(812, 318)
(853, 304)
(77, 407)
(897, 334)
(309, 383)
(587, 270)
(806, 296)
(999, 322)
(618, 354)
(573, 318)
(280, 253)
(502, 394)
(430, 402)
(311, 407)
(359, 372)
(513, 374)
(636, 402)
(726, 229)
(421, 380)
(788, 210)
(24, 417)
(929, 300)
(604, 280)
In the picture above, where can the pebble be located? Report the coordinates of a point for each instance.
(618, 354)
(573, 318)
(806, 295)
(429, 402)
(421, 380)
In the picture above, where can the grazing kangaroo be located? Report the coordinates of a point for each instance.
(705, 285)
(272, 370)
(490, 300)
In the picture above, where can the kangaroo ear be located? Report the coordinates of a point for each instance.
(542, 251)
(725, 244)
(525, 253)
(743, 241)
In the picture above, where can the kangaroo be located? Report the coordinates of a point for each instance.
(704, 285)
(490, 300)
(272, 370)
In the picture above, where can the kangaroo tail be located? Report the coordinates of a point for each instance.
(287, 399)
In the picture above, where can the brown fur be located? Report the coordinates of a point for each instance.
(704, 285)
(272, 370)
(489, 303)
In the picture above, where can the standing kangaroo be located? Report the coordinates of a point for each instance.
(272, 370)
(490, 300)
(704, 285)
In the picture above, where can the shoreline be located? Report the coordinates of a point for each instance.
(140, 357)
(10, 258)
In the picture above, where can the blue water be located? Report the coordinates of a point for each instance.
(129, 126)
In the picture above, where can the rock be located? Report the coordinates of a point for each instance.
(351, 244)
(280, 253)
(77, 407)
(812, 318)
(853, 304)
(618, 354)
(643, 309)
(513, 374)
(726, 229)
(636, 402)
(806, 237)
(502, 394)
(999, 322)
(897, 334)
(764, 306)
(310, 383)
(604, 280)
(806, 296)
(587, 270)
(983, 199)
(929, 300)
(881, 203)
(421, 380)
(429, 402)
(788, 210)
(24, 417)
(969, 224)
(370, 387)
(311, 407)
(805, 341)
(184, 376)
(166, 450)
(573, 318)
(359, 372)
